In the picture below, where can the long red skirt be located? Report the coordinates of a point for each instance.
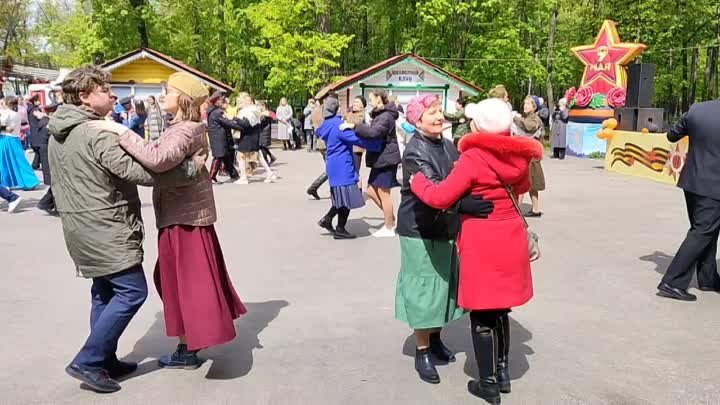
(192, 280)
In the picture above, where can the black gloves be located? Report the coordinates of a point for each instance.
(475, 206)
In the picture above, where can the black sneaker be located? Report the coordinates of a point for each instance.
(97, 380)
(182, 358)
(121, 368)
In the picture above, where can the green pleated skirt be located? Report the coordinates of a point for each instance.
(426, 294)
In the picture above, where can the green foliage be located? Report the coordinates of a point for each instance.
(597, 155)
(294, 47)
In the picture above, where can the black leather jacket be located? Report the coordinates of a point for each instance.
(383, 127)
(435, 158)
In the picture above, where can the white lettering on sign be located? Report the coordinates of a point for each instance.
(405, 76)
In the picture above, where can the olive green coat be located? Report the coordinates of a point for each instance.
(95, 189)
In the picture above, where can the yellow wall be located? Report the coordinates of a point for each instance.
(650, 156)
(142, 71)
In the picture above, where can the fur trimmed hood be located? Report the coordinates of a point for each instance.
(502, 144)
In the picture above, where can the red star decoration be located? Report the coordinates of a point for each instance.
(605, 60)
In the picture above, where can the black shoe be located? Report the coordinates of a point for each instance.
(121, 368)
(341, 233)
(485, 388)
(439, 350)
(425, 367)
(313, 194)
(49, 211)
(327, 225)
(98, 380)
(667, 291)
(533, 214)
(182, 358)
(273, 159)
(709, 288)
(503, 377)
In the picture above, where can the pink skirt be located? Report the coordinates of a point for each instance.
(192, 280)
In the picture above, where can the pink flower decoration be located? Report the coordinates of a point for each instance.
(616, 97)
(584, 96)
(570, 94)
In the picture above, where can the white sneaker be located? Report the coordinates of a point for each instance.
(242, 180)
(13, 205)
(384, 232)
(271, 179)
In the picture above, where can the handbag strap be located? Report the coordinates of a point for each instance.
(516, 204)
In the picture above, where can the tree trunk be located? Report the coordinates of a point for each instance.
(684, 87)
(10, 29)
(693, 77)
(223, 40)
(549, 63)
(141, 26)
(711, 73)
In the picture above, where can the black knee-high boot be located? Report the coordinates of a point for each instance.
(562, 153)
(340, 231)
(503, 371)
(484, 326)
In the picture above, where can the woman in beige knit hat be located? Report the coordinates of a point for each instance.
(199, 300)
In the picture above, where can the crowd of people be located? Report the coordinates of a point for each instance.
(463, 239)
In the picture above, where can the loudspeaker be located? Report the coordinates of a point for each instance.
(640, 85)
(650, 118)
(627, 118)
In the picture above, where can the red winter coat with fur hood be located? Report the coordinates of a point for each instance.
(494, 258)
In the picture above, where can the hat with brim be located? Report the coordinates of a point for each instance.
(189, 86)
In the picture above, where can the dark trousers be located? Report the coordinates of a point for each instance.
(310, 139)
(116, 298)
(36, 158)
(228, 163)
(47, 202)
(7, 195)
(698, 250)
(267, 154)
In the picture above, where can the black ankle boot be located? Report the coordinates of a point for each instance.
(181, 358)
(485, 388)
(326, 223)
(484, 326)
(503, 372)
(342, 233)
(425, 367)
(439, 350)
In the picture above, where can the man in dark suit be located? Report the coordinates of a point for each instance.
(700, 179)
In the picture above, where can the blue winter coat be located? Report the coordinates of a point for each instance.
(339, 155)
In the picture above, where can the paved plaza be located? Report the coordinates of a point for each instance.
(321, 329)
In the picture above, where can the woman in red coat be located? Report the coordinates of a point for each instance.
(494, 259)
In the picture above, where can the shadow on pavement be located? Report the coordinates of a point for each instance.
(662, 262)
(456, 336)
(229, 361)
(359, 227)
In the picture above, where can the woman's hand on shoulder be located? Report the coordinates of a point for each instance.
(109, 126)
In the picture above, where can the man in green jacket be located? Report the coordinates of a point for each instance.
(95, 188)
